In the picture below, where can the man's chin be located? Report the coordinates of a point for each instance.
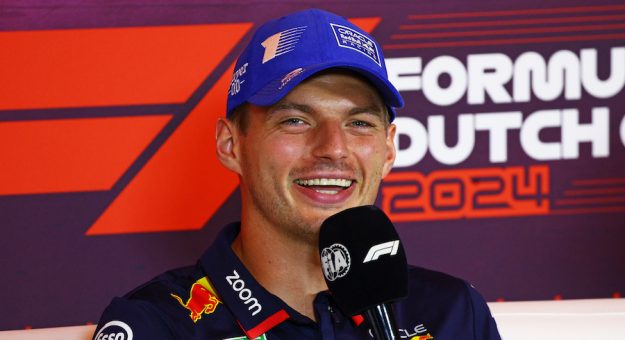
(327, 212)
(316, 215)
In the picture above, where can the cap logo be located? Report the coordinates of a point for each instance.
(286, 79)
(236, 82)
(335, 261)
(281, 42)
(350, 38)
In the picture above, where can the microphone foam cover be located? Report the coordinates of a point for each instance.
(363, 260)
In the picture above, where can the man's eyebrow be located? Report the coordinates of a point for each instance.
(374, 110)
(290, 106)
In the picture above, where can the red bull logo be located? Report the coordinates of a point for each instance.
(422, 337)
(202, 299)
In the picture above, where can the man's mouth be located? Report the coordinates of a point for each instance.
(328, 186)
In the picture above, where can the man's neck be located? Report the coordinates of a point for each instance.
(285, 267)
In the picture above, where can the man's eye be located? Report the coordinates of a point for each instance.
(293, 121)
(361, 123)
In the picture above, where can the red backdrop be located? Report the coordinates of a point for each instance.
(509, 171)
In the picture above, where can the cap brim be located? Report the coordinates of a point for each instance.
(274, 91)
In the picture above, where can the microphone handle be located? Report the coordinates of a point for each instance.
(382, 322)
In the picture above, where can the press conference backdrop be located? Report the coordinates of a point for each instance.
(509, 171)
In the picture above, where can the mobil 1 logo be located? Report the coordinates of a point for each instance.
(114, 330)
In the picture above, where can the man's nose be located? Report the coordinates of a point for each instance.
(330, 141)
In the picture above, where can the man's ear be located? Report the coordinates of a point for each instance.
(391, 152)
(227, 137)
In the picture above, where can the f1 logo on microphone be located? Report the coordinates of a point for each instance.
(378, 250)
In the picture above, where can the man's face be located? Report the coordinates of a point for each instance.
(325, 147)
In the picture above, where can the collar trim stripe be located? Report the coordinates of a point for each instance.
(266, 325)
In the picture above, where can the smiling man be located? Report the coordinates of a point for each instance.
(309, 132)
(322, 148)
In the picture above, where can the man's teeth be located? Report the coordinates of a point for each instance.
(336, 182)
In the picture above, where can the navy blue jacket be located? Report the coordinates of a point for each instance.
(219, 299)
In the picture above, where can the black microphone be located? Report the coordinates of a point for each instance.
(364, 265)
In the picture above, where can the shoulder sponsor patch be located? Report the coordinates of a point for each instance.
(349, 38)
(114, 330)
(202, 299)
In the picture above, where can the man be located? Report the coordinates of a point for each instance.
(309, 133)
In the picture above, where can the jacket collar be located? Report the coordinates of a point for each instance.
(256, 310)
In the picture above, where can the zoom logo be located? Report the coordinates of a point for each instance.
(245, 294)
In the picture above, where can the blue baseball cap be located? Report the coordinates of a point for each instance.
(286, 51)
